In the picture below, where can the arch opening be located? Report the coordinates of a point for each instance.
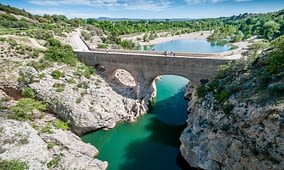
(170, 110)
(171, 89)
(123, 77)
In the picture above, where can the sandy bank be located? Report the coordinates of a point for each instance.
(165, 37)
(195, 35)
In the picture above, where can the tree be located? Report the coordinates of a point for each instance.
(270, 28)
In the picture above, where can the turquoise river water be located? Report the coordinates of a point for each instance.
(152, 143)
(189, 45)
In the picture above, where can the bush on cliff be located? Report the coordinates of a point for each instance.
(276, 57)
(57, 52)
(28, 92)
(256, 77)
(26, 109)
(56, 74)
(13, 165)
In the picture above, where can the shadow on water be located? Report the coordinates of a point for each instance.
(161, 149)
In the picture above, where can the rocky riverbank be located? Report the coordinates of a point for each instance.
(232, 125)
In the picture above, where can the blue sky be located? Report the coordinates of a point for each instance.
(146, 8)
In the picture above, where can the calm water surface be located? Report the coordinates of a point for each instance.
(189, 45)
(153, 141)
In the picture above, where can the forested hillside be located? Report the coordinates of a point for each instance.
(226, 29)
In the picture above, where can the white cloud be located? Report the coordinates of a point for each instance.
(156, 5)
(190, 2)
(148, 5)
(74, 2)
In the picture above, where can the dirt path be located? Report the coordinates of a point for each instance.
(75, 41)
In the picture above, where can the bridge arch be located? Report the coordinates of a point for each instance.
(145, 67)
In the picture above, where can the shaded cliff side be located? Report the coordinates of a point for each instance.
(237, 120)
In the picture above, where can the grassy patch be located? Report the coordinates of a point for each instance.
(54, 162)
(57, 52)
(46, 129)
(28, 92)
(56, 74)
(13, 165)
(50, 145)
(25, 108)
(61, 124)
(59, 87)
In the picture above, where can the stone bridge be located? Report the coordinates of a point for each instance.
(146, 66)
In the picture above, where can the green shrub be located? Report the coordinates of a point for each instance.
(223, 96)
(28, 92)
(88, 71)
(61, 125)
(54, 162)
(35, 53)
(56, 74)
(85, 71)
(63, 54)
(227, 108)
(40, 65)
(50, 145)
(26, 78)
(201, 91)
(102, 46)
(13, 165)
(276, 57)
(85, 35)
(82, 85)
(53, 42)
(276, 88)
(71, 81)
(59, 87)
(127, 44)
(46, 129)
(24, 109)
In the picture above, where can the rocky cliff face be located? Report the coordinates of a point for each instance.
(251, 139)
(57, 150)
(86, 101)
(237, 121)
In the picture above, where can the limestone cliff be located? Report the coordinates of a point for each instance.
(237, 121)
(74, 94)
(88, 102)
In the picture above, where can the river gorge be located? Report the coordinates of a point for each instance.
(153, 141)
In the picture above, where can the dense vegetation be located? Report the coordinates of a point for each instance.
(229, 29)
(226, 29)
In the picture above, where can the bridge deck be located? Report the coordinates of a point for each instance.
(221, 56)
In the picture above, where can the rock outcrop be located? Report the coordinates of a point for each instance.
(252, 139)
(88, 103)
(231, 125)
(22, 142)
